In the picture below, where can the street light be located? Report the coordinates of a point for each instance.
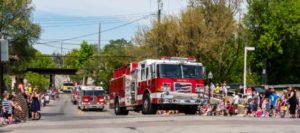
(245, 66)
(210, 76)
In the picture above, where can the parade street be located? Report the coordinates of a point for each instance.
(61, 116)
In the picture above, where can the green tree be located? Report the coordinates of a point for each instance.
(115, 54)
(273, 28)
(206, 30)
(15, 16)
(37, 80)
(41, 61)
(16, 25)
(81, 60)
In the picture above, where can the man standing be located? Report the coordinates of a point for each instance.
(236, 100)
(273, 97)
(256, 99)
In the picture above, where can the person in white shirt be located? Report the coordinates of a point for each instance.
(47, 98)
(224, 89)
(236, 100)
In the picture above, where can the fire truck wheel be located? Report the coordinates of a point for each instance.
(147, 107)
(120, 110)
(190, 110)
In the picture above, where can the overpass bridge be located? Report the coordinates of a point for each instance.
(52, 72)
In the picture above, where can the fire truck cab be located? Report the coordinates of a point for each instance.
(152, 84)
(91, 97)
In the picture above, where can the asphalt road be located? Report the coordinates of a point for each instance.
(63, 117)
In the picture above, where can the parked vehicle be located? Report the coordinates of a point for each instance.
(168, 83)
(91, 97)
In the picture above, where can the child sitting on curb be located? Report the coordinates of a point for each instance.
(259, 112)
(230, 108)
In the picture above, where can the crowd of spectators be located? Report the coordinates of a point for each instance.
(17, 107)
(268, 104)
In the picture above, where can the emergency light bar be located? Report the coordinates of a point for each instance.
(179, 59)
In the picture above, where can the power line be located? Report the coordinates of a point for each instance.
(90, 17)
(113, 56)
(93, 40)
(95, 33)
(49, 45)
(74, 25)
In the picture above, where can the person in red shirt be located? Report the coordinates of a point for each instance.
(278, 107)
(230, 108)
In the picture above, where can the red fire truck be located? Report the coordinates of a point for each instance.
(168, 83)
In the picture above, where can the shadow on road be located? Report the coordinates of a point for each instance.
(95, 110)
(52, 114)
(5, 130)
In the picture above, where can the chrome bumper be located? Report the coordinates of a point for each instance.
(182, 98)
(93, 106)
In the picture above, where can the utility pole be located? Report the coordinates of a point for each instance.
(159, 9)
(99, 38)
(61, 55)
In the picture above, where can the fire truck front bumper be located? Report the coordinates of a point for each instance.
(93, 106)
(177, 98)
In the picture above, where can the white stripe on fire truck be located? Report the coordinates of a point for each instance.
(153, 95)
(121, 100)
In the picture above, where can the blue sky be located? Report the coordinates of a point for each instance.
(61, 19)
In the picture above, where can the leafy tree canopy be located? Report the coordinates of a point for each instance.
(273, 28)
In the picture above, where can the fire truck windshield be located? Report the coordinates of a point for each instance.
(179, 71)
(93, 93)
(99, 93)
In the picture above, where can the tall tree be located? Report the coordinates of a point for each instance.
(273, 28)
(15, 16)
(81, 59)
(115, 54)
(16, 25)
(206, 30)
(40, 61)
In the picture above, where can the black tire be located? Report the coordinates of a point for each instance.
(190, 110)
(74, 102)
(82, 109)
(147, 107)
(120, 110)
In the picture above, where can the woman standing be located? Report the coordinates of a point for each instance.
(292, 99)
(35, 105)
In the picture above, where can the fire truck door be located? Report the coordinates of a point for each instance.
(127, 85)
(149, 77)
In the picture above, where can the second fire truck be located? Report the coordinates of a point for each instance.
(152, 84)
